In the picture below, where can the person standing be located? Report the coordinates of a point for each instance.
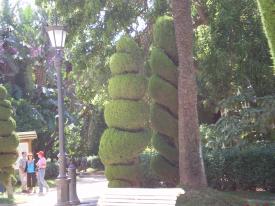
(30, 169)
(41, 166)
(22, 173)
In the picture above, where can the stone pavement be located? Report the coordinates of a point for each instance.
(89, 188)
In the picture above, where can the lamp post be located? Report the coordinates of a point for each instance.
(57, 35)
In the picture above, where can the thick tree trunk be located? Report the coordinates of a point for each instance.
(190, 158)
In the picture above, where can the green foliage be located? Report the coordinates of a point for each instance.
(122, 62)
(129, 173)
(3, 92)
(9, 143)
(7, 127)
(208, 197)
(164, 94)
(5, 113)
(128, 86)
(51, 170)
(126, 114)
(95, 162)
(8, 159)
(163, 122)
(122, 147)
(165, 169)
(267, 8)
(231, 52)
(149, 178)
(5, 103)
(245, 168)
(127, 45)
(164, 36)
(165, 148)
(163, 66)
(119, 183)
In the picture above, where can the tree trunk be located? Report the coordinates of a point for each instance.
(191, 166)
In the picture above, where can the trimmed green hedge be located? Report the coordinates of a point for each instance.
(7, 160)
(245, 168)
(164, 94)
(126, 114)
(123, 172)
(4, 177)
(163, 122)
(165, 169)
(161, 65)
(7, 127)
(122, 147)
(119, 183)
(5, 113)
(164, 36)
(167, 150)
(123, 63)
(3, 92)
(5, 103)
(128, 86)
(128, 45)
(267, 10)
(9, 144)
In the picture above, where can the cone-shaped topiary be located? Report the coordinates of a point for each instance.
(267, 10)
(164, 109)
(126, 116)
(164, 37)
(8, 138)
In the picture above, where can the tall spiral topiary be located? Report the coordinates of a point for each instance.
(8, 138)
(267, 10)
(163, 91)
(126, 116)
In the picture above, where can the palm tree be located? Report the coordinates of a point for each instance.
(190, 158)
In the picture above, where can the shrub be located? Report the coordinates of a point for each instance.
(9, 144)
(119, 183)
(52, 170)
(164, 36)
(149, 179)
(5, 103)
(95, 162)
(245, 168)
(165, 148)
(164, 94)
(123, 172)
(207, 197)
(5, 113)
(128, 86)
(7, 127)
(3, 92)
(126, 114)
(162, 66)
(165, 169)
(120, 146)
(163, 122)
(121, 63)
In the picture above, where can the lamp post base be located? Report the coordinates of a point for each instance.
(62, 191)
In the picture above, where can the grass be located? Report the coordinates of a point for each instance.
(210, 197)
(16, 200)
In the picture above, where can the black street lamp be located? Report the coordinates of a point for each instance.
(57, 35)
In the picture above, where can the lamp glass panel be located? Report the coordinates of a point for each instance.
(58, 37)
(64, 38)
(52, 37)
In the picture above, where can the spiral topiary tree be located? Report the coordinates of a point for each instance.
(126, 116)
(267, 10)
(164, 109)
(8, 139)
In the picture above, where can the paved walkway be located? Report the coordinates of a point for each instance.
(88, 190)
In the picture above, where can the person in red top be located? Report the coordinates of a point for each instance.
(41, 166)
